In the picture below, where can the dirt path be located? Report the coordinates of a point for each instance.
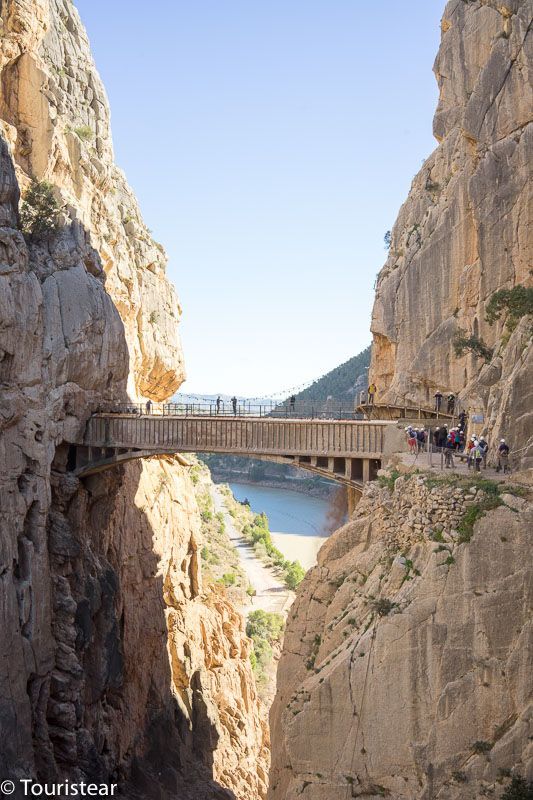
(272, 594)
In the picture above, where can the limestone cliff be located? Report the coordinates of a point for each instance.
(115, 663)
(406, 669)
(407, 663)
(465, 230)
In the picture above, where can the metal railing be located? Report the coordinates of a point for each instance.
(226, 409)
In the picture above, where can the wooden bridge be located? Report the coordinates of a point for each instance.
(389, 411)
(347, 451)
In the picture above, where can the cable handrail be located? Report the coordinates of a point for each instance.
(228, 410)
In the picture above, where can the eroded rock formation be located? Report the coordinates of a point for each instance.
(406, 669)
(115, 663)
(465, 230)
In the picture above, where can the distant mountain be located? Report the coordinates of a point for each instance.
(342, 384)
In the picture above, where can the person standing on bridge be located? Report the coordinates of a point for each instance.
(148, 406)
(292, 403)
(219, 402)
(438, 400)
(372, 389)
(234, 405)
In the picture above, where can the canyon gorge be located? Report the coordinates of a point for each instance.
(406, 669)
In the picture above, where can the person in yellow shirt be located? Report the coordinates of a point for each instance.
(372, 389)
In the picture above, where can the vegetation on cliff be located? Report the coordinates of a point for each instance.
(515, 303)
(220, 560)
(39, 210)
(340, 384)
(265, 629)
(258, 533)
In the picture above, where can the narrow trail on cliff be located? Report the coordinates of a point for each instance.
(272, 594)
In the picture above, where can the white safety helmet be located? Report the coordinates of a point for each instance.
(502, 441)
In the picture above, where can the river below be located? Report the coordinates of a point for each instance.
(299, 523)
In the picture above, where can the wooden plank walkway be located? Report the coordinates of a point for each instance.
(388, 411)
(247, 436)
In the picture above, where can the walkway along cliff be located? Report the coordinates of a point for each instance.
(116, 664)
(407, 665)
(465, 231)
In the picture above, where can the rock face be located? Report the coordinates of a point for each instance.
(115, 663)
(406, 670)
(465, 230)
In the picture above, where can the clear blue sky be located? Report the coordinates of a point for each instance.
(271, 144)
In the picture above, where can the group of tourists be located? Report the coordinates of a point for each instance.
(455, 440)
(416, 438)
(450, 402)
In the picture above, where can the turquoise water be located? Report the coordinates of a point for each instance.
(287, 511)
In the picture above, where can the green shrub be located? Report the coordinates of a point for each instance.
(84, 132)
(470, 344)
(383, 606)
(517, 491)
(260, 550)
(389, 482)
(262, 658)
(294, 574)
(516, 303)
(481, 747)
(459, 777)
(39, 212)
(264, 629)
(466, 526)
(228, 579)
(475, 512)
(266, 625)
(492, 488)
(519, 789)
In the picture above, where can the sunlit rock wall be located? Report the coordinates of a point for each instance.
(464, 232)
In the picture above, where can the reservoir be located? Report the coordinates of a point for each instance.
(299, 523)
